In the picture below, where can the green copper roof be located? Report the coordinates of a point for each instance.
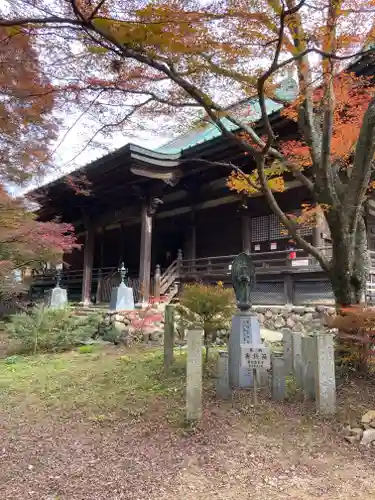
(249, 112)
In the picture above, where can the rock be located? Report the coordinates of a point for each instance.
(368, 437)
(146, 336)
(346, 431)
(120, 327)
(310, 310)
(261, 318)
(308, 317)
(290, 323)
(353, 435)
(124, 337)
(268, 314)
(298, 327)
(156, 335)
(320, 309)
(352, 439)
(368, 419)
(279, 322)
(269, 324)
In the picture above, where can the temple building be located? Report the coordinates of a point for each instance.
(170, 217)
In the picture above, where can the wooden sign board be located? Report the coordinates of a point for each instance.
(256, 357)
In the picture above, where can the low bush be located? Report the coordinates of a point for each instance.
(48, 330)
(208, 306)
(355, 339)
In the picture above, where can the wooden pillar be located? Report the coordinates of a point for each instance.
(191, 243)
(88, 259)
(245, 232)
(157, 283)
(147, 213)
(99, 287)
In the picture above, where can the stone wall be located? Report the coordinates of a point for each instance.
(148, 325)
(296, 318)
(128, 327)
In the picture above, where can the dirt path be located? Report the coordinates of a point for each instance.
(268, 454)
(107, 426)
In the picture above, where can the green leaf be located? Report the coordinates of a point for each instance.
(94, 49)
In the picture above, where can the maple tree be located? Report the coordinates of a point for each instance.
(122, 62)
(26, 242)
(27, 128)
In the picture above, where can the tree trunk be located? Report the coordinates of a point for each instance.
(350, 266)
(348, 275)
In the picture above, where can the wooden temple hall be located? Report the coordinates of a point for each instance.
(171, 218)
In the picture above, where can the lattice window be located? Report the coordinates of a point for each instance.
(277, 230)
(268, 293)
(259, 228)
(303, 230)
(269, 228)
(313, 292)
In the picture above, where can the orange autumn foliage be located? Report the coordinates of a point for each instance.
(352, 97)
(26, 101)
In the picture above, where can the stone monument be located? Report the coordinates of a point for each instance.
(245, 325)
(325, 378)
(222, 382)
(122, 298)
(194, 375)
(57, 298)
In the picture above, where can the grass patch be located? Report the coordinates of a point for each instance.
(98, 385)
(86, 349)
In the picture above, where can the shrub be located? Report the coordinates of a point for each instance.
(86, 349)
(207, 306)
(355, 338)
(46, 329)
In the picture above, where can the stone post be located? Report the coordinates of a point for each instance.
(325, 381)
(168, 336)
(278, 378)
(223, 390)
(308, 362)
(297, 358)
(288, 353)
(194, 375)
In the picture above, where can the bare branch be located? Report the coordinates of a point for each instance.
(362, 166)
(261, 82)
(109, 125)
(41, 20)
(97, 8)
(327, 129)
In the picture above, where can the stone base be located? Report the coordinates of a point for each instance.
(245, 331)
(122, 298)
(57, 298)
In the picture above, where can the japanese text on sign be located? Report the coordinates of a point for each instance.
(255, 357)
